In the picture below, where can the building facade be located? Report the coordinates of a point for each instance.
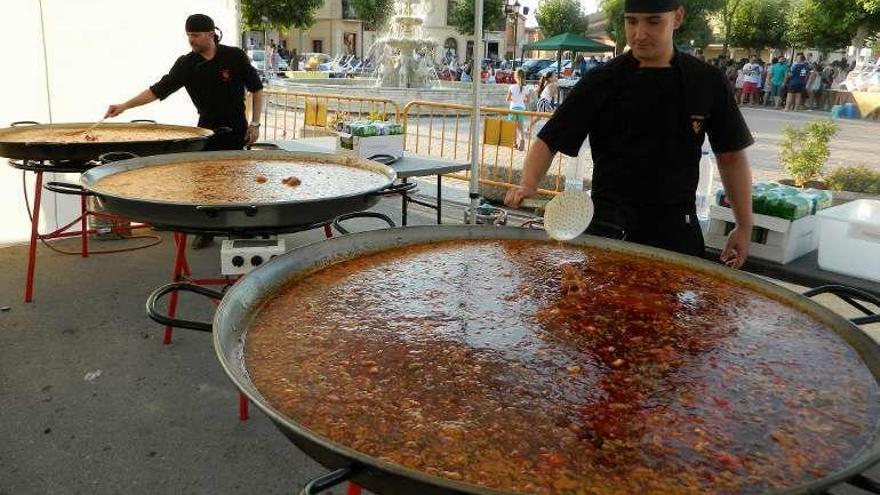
(337, 30)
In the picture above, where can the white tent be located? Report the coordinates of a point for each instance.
(66, 60)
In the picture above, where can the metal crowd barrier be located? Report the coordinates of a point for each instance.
(291, 115)
(432, 129)
(443, 130)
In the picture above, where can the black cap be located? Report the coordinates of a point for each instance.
(650, 6)
(199, 23)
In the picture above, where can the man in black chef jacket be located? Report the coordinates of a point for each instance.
(216, 77)
(647, 113)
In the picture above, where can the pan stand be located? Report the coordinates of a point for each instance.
(38, 167)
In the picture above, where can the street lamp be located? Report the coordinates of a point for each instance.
(514, 8)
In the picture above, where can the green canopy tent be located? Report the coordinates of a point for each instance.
(566, 42)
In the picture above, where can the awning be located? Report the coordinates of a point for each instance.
(569, 41)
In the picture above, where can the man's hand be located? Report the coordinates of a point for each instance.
(737, 249)
(114, 110)
(516, 195)
(252, 134)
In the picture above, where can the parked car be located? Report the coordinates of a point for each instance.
(534, 65)
(566, 64)
(258, 60)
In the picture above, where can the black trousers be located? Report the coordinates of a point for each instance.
(670, 227)
(226, 136)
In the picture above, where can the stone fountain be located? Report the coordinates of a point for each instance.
(405, 67)
(406, 55)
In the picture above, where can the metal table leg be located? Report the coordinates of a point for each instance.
(439, 198)
(404, 199)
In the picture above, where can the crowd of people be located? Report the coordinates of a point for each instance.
(780, 83)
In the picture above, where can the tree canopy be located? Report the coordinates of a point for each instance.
(374, 13)
(260, 15)
(825, 24)
(462, 15)
(560, 16)
(758, 24)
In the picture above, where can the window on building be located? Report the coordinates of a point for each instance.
(450, 6)
(450, 50)
(318, 46)
(348, 11)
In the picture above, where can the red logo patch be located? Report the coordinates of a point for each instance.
(225, 75)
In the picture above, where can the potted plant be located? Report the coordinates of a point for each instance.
(805, 150)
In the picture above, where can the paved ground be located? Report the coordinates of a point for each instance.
(91, 402)
(855, 144)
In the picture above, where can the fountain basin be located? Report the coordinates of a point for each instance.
(493, 95)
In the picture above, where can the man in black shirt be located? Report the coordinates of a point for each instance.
(647, 113)
(215, 76)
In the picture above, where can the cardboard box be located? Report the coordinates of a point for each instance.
(368, 146)
(779, 240)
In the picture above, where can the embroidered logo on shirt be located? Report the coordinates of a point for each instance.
(225, 75)
(697, 123)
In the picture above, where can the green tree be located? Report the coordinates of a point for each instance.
(374, 13)
(560, 16)
(833, 24)
(462, 16)
(694, 28)
(613, 10)
(261, 15)
(759, 24)
(726, 14)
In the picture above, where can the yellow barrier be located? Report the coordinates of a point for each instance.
(499, 132)
(316, 114)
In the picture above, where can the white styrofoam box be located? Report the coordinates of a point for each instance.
(849, 239)
(368, 146)
(786, 240)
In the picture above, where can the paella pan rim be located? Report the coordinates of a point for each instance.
(89, 181)
(199, 133)
(244, 299)
(91, 150)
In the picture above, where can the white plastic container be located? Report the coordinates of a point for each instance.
(849, 239)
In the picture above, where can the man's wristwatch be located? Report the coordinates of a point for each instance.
(254, 124)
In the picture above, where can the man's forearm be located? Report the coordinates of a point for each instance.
(537, 163)
(144, 97)
(256, 106)
(736, 176)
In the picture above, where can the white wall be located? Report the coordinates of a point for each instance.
(99, 52)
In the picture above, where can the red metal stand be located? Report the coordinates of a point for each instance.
(61, 233)
(181, 272)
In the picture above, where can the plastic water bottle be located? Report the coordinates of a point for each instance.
(704, 186)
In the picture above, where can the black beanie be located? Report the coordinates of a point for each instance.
(199, 23)
(650, 6)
